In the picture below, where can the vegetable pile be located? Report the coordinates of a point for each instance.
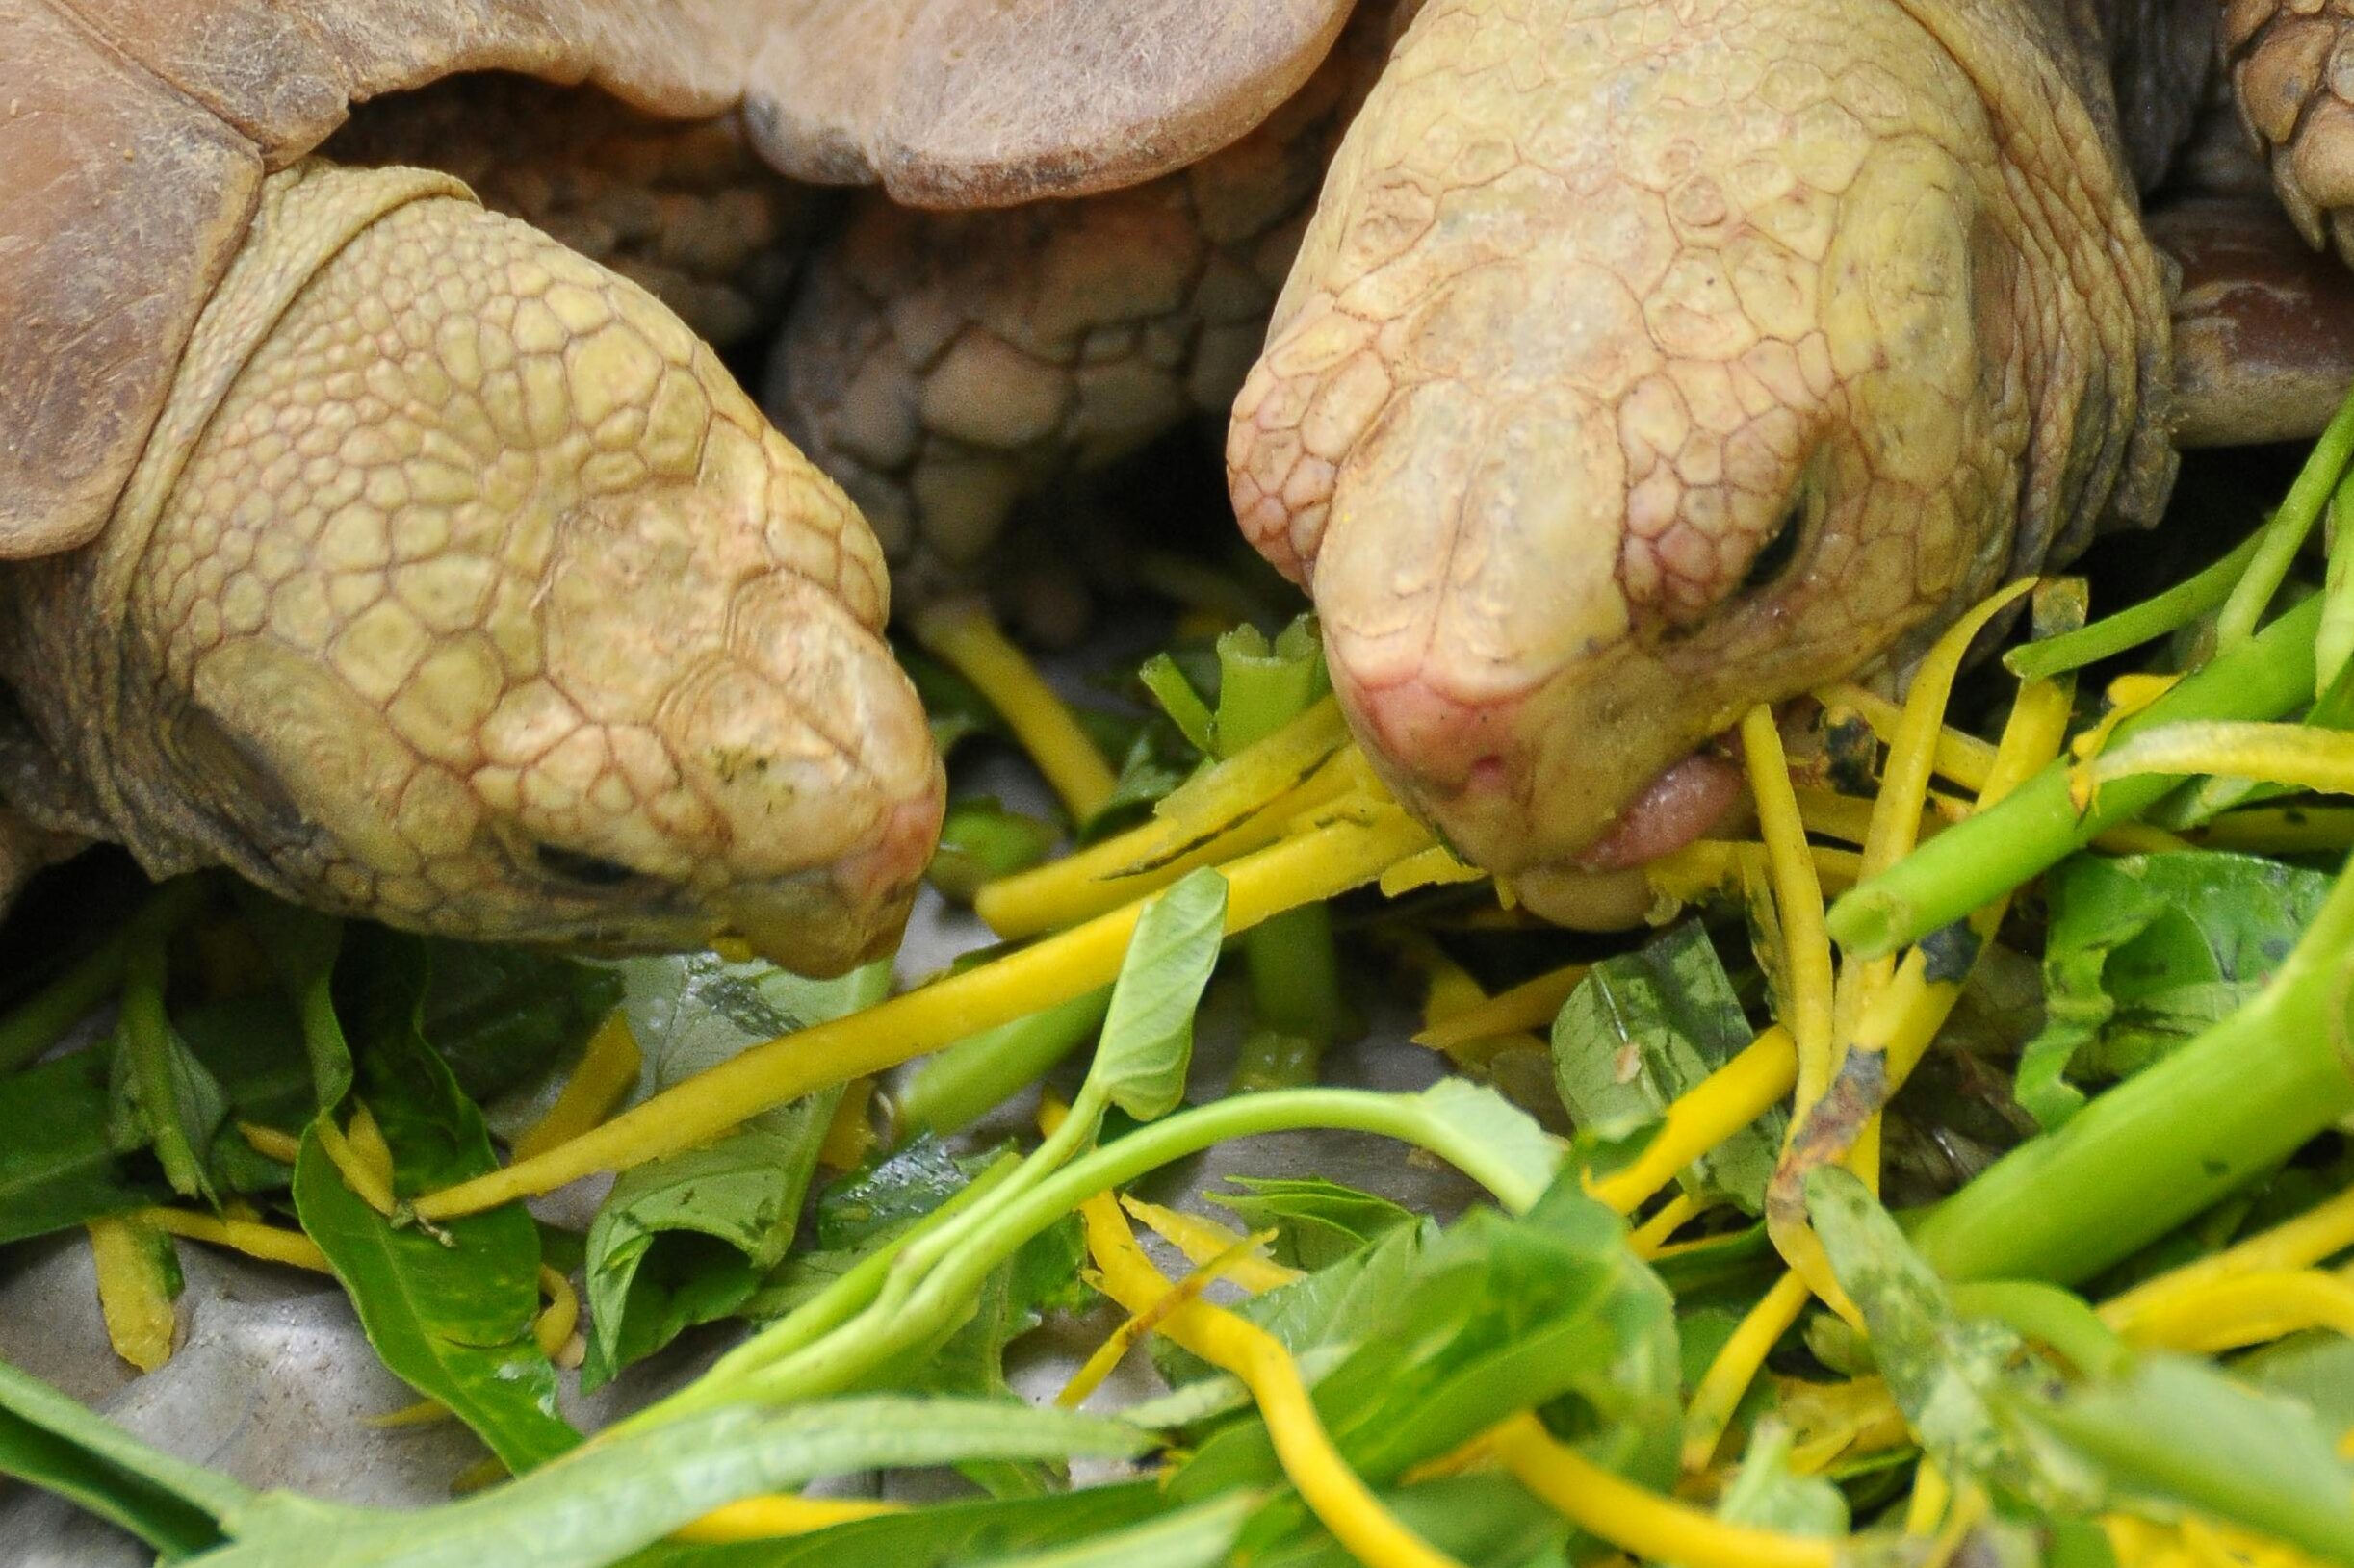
(1994, 1210)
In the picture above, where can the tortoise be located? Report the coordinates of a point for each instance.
(1634, 362)
(1578, 416)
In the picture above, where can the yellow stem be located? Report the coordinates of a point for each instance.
(2322, 1232)
(1797, 899)
(137, 1308)
(1339, 1500)
(1203, 1240)
(1730, 1375)
(962, 633)
(2241, 1309)
(1244, 803)
(1530, 1004)
(2281, 753)
(760, 1518)
(271, 1243)
(1712, 1109)
(607, 1073)
(1350, 850)
(366, 1177)
(1126, 1338)
(1672, 1215)
(270, 1143)
(1641, 1523)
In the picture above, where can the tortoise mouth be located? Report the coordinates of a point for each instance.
(1680, 804)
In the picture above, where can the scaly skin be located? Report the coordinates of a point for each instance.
(1600, 295)
(941, 366)
(460, 587)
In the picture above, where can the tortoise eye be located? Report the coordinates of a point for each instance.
(574, 866)
(1781, 550)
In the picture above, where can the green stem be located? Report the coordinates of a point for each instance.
(40, 1020)
(2156, 1149)
(1975, 862)
(2130, 627)
(972, 1077)
(2283, 536)
(2333, 643)
(897, 1322)
(2052, 1316)
(146, 1033)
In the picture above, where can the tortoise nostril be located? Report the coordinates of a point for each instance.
(1775, 556)
(577, 867)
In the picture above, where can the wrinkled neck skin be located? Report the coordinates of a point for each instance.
(1604, 294)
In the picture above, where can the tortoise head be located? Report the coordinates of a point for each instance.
(485, 603)
(1641, 366)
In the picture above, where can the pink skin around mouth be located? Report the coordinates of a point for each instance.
(1682, 804)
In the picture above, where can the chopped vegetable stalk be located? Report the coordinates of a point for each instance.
(1333, 1491)
(1726, 1101)
(1680, 1209)
(137, 1280)
(606, 1075)
(2282, 754)
(1205, 1241)
(1970, 864)
(2279, 829)
(2333, 642)
(1129, 1334)
(1640, 1523)
(962, 633)
(1243, 803)
(2239, 1310)
(2146, 622)
(2281, 538)
(1736, 1367)
(962, 1084)
(1530, 1004)
(1798, 902)
(2163, 1144)
(767, 1517)
(2320, 1233)
(271, 1243)
(1351, 851)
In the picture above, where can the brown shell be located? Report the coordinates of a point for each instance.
(135, 134)
(984, 103)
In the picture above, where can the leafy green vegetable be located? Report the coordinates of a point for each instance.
(627, 1491)
(2180, 1432)
(1316, 1222)
(58, 1163)
(502, 1016)
(2145, 951)
(688, 1238)
(1147, 1035)
(449, 1310)
(1481, 1521)
(1949, 1375)
(1494, 1316)
(1201, 1536)
(53, 1442)
(1765, 1493)
(162, 1095)
(1640, 1030)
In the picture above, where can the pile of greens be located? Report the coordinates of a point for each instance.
(2001, 1233)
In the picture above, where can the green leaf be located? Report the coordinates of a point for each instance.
(1642, 1028)
(58, 1163)
(2179, 1429)
(1481, 1521)
(871, 1203)
(1316, 1222)
(1148, 1036)
(501, 1016)
(628, 1491)
(939, 1536)
(54, 1443)
(2145, 951)
(162, 1095)
(449, 1310)
(688, 1238)
(1517, 1159)
(1765, 1493)
(1951, 1375)
(1492, 1317)
(1201, 1536)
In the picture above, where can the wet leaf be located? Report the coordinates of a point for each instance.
(449, 1310)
